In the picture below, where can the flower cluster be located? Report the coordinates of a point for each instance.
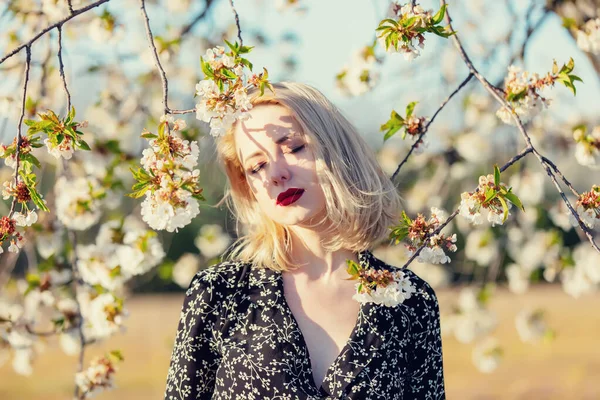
(421, 231)
(404, 32)
(491, 200)
(470, 320)
(532, 326)
(380, 286)
(98, 376)
(223, 91)
(522, 90)
(123, 249)
(361, 75)
(588, 36)
(78, 201)
(63, 135)
(581, 273)
(587, 148)
(103, 314)
(588, 208)
(168, 179)
(410, 125)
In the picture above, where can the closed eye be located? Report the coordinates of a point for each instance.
(259, 166)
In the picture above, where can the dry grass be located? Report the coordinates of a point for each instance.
(569, 368)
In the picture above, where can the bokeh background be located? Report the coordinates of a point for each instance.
(496, 344)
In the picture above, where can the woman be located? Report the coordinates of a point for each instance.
(279, 319)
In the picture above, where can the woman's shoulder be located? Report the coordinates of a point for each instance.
(219, 278)
(423, 296)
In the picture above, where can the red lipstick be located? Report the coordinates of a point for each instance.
(289, 196)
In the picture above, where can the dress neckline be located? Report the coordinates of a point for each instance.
(365, 259)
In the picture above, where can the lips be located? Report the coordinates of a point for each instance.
(289, 196)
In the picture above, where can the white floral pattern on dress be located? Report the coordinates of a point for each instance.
(238, 339)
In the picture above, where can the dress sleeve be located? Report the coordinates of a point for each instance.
(426, 372)
(194, 359)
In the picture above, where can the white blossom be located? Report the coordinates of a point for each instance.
(531, 325)
(212, 241)
(487, 355)
(400, 289)
(185, 268)
(482, 247)
(76, 206)
(588, 37)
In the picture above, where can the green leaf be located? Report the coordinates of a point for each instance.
(83, 145)
(139, 193)
(391, 132)
(515, 200)
(437, 18)
(410, 108)
(490, 194)
(32, 159)
(496, 175)
(148, 135)
(504, 207)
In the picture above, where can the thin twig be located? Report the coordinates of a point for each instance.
(188, 28)
(237, 22)
(163, 75)
(59, 23)
(62, 69)
(425, 129)
(69, 3)
(19, 136)
(490, 88)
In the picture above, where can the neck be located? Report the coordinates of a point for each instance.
(315, 262)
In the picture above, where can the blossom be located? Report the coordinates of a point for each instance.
(531, 325)
(77, 201)
(474, 207)
(584, 276)
(391, 288)
(65, 149)
(185, 268)
(471, 319)
(522, 92)
(482, 247)
(103, 314)
(211, 240)
(415, 40)
(487, 355)
(99, 376)
(588, 36)
(587, 147)
(25, 219)
(588, 208)
(421, 231)
(137, 249)
(361, 75)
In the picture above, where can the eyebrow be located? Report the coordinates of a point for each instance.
(278, 141)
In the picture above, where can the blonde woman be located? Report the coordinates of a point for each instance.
(279, 319)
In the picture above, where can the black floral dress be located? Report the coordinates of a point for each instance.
(238, 339)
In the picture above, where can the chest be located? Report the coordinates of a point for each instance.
(326, 321)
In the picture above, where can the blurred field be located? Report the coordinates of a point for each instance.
(569, 368)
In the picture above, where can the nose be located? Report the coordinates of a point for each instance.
(280, 173)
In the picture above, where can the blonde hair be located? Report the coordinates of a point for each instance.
(362, 202)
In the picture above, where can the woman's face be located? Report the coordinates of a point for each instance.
(275, 157)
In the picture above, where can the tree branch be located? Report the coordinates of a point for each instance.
(490, 88)
(522, 154)
(237, 22)
(467, 79)
(163, 75)
(19, 136)
(62, 69)
(59, 23)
